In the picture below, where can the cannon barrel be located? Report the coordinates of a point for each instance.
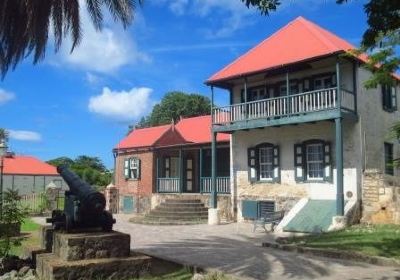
(91, 200)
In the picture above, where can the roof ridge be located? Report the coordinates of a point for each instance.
(312, 27)
(259, 44)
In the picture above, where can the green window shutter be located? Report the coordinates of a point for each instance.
(250, 209)
(386, 97)
(252, 163)
(393, 98)
(277, 169)
(139, 172)
(126, 168)
(299, 162)
(327, 162)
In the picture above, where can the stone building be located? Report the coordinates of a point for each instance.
(169, 161)
(305, 132)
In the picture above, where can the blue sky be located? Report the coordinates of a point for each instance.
(82, 103)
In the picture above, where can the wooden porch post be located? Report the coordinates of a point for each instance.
(339, 94)
(245, 97)
(180, 171)
(214, 171)
(287, 91)
(339, 148)
(212, 104)
(339, 168)
(201, 168)
(157, 172)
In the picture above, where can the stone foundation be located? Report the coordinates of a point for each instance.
(380, 198)
(96, 245)
(94, 255)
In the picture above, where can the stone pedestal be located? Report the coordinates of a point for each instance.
(338, 223)
(95, 255)
(213, 216)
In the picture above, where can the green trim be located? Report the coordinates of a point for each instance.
(180, 171)
(258, 123)
(157, 172)
(214, 200)
(339, 168)
(355, 85)
(339, 93)
(200, 166)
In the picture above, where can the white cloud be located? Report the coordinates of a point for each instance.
(178, 6)
(122, 105)
(91, 78)
(6, 96)
(24, 135)
(102, 51)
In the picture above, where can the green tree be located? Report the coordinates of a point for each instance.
(174, 105)
(3, 135)
(25, 25)
(12, 218)
(89, 169)
(61, 161)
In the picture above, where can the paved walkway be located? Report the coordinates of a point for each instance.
(234, 249)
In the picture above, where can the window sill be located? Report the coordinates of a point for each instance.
(131, 179)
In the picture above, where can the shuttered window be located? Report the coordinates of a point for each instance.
(132, 168)
(312, 161)
(263, 162)
(389, 98)
(389, 168)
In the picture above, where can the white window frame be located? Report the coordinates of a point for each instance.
(268, 163)
(308, 162)
(134, 165)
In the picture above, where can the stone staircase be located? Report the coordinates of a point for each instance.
(176, 212)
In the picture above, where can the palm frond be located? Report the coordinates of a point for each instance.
(25, 25)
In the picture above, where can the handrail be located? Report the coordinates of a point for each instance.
(301, 103)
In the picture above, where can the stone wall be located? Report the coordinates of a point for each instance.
(381, 198)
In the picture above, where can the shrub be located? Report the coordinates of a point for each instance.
(13, 215)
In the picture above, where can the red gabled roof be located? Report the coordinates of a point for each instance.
(299, 40)
(195, 130)
(27, 165)
(143, 137)
(198, 130)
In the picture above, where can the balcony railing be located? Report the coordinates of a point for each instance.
(306, 102)
(223, 185)
(168, 185)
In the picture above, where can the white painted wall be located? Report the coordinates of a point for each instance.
(28, 184)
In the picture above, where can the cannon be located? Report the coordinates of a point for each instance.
(83, 206)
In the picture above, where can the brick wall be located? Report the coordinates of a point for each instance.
(141, 188)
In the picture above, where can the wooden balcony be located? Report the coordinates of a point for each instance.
(304, 107)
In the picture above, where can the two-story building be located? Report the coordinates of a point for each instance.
(304, 129)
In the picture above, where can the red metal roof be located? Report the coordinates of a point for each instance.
(299, 40)
(143, 137)
(27, 165)
(196, 130)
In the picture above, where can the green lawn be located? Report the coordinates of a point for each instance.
(30, 232)
(374, 240)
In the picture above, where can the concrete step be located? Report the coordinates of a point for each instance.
(177, 200)
(171, 223)
(173, 218)
(178, 214)
(183, 204)
(163, 208)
